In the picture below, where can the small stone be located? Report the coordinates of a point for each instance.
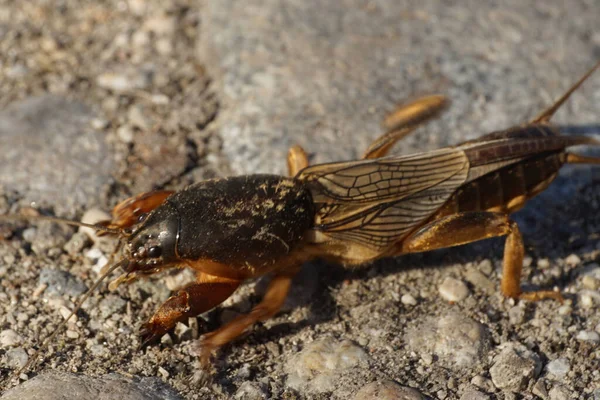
(193, 324)
(72, 334)
(408, 300)
(387, 390)
(163, 372)
(453, 290)
(125, 133)
(514, 367)
(565, 309)
(474, 395)
(17, 358)
(183, 332)
(98, 258)
(588, 336)
(573, 260)
(245, 372)
(516, 315)
(317, 367)
(486, 267)
(458, 341)
(121, 83)
(559, 393)
(590, 282)
(76, 244)
(160, 99)
(166, 340)
(250, 391)
(273, 348)
(93, 216)
(539, 389)
(559, 367)
(60, 385)
(66, 313)
(60, 283)
(9, 338)
(543, 263)
(478, 279)
(111, 304)
(99, 123)
(586, 300)
(483, 383)
(137, 118)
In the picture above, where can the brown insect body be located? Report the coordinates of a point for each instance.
(238, 227)
(351, 212)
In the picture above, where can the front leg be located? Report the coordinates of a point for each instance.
(126, 213)
(208, 292)
(269, 306)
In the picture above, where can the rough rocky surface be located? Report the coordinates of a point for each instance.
(64, 386)
(160, 94)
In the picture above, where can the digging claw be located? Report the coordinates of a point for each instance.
(150, 334)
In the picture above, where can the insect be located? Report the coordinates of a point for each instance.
(353, 212)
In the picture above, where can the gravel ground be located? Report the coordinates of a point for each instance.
(104, 99)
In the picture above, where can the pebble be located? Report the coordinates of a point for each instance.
(478, 279)
(66, 386)
(183, 332)
(453, 290)
(9, 338)
(588, 336)
(65, 312)
(590, 282)
(76, 244)
(474, 395)
(559, 393)
(387, 390)
(122, 82)
(572, 260)
(516, 315)
(483, 383)
(543, 263)
(586, 300)
(125, 133)
(559, 367)
(93, 216)
(457, 340)
(408, 299)
(111, 304)
(317, 366)
(98, 258)
(486, 267)
(514, 367)
(17, 358)
(250, 391)
(61, 283)
(72, 334)
(50, 152)
(163, 372)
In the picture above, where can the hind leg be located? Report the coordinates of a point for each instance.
(403, 121)
(467, 227)
(579, 159)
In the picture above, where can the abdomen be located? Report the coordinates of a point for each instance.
(507, 189)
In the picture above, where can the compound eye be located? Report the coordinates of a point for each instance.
(154, 252)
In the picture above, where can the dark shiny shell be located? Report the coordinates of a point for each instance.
(242, 221)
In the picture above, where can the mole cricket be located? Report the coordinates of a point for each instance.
(352, 212)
